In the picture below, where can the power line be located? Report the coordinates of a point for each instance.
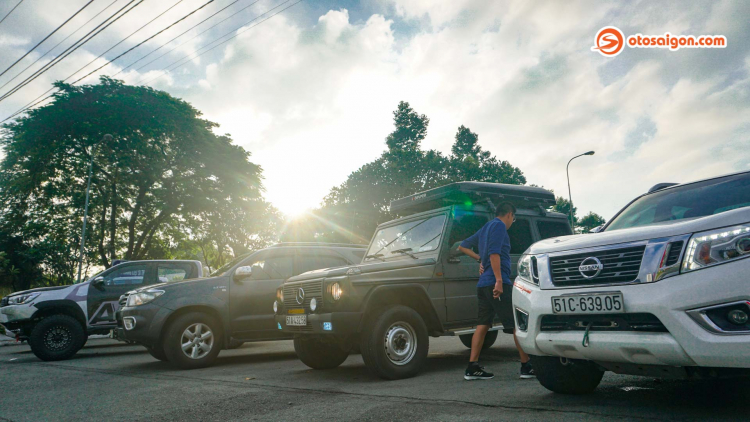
(75, 46)
(183, 33)
(182, 62)
(45, 38)
(123, 40)
(11, 11)
(144, 41)
(56, 45)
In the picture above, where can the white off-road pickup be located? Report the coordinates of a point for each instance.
(661, 291)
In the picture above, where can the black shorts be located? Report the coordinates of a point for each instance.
(503, 308)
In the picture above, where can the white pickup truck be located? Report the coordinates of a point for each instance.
(661, 291)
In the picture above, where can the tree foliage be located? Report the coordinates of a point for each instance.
(163, 178)
(352, 210)
(589, 221)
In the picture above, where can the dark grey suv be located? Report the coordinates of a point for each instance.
(188, 323)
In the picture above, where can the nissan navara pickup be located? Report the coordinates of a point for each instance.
(413, 282)
(661, 291)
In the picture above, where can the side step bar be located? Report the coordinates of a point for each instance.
(496, 327)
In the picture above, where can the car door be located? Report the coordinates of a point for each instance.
(460, 271)
(312, 259)
(106, 289)
(251, 299)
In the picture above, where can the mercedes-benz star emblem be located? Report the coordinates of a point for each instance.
(590, 267)
(300, 296)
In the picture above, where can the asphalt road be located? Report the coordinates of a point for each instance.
(265, 381)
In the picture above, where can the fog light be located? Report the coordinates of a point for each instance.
(737, 317)
(275, 306)
(522, 320)
(327, 326)
(129, 323)
(313, 304)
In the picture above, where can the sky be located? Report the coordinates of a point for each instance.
(310, 91)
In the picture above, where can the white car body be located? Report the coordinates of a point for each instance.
(678, 298)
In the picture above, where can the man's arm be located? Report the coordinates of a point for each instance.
(469, 252)
(495, 262)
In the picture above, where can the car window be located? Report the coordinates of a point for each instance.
(465, 224)
(272, 268)
(414, 236)
(126, 276)
(520, 236)
(549, 229)
(224, 269)
(359, 253)
(167, 273)
(689, 201)
(307, 261)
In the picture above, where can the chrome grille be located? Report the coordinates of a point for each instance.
(313, 289)
(619, 266)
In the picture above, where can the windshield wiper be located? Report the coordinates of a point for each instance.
(405, 251)
(376, 256)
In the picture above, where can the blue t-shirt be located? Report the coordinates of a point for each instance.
(491, 239)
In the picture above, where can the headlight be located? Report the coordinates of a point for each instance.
(336, 291)
(141, 298)
(717, 247)
(527, 270)
(21, 299)
(280, 295)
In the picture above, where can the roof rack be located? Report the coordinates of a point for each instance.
(341, 245)
(472, 193)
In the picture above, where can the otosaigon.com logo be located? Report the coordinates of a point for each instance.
(609, 41)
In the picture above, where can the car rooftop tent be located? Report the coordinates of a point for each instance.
(473, 193)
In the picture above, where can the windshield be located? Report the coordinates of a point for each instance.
(690, 201)
(407, 238)
(228, 266)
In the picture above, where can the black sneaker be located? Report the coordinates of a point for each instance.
(476, 372)
(527, 371)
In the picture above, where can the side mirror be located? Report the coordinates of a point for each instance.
(98, 282)
(454, 252)
(243, 273)
(596, 229)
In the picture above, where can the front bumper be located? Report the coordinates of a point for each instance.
(341, 323)
(686, 344)
(12, 316)
(149, 321)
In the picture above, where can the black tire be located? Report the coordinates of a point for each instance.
(321, 352)
(203, 353)
(571, 377)
(57, 337)
(158, 353)
(489, 339)
(395, 343)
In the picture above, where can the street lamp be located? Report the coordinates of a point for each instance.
(570, 197)
(107, 138)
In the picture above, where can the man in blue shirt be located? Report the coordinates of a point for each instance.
(495, 288)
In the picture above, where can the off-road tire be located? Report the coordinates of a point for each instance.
(575, 377)
(489, 339)
(173, 340)
(57, 337)
(389, 323)
(157, 352)
(321, 352)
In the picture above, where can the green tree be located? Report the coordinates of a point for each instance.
(589, 221)
(562, 205)
(164, 177)
(352, 210)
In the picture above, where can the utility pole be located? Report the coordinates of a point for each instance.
(570, 197)
(107, 138)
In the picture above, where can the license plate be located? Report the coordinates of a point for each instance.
(296, 320)
(588, 303)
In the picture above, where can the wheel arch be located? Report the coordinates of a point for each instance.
(411, 295)
(59, 307)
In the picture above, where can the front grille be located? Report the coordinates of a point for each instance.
(612, 322)
(675, 249)
(618, 266)
(313, 289)
(306, 329)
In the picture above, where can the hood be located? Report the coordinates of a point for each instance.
(364, 268)
(653, 231)
(40, 289)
